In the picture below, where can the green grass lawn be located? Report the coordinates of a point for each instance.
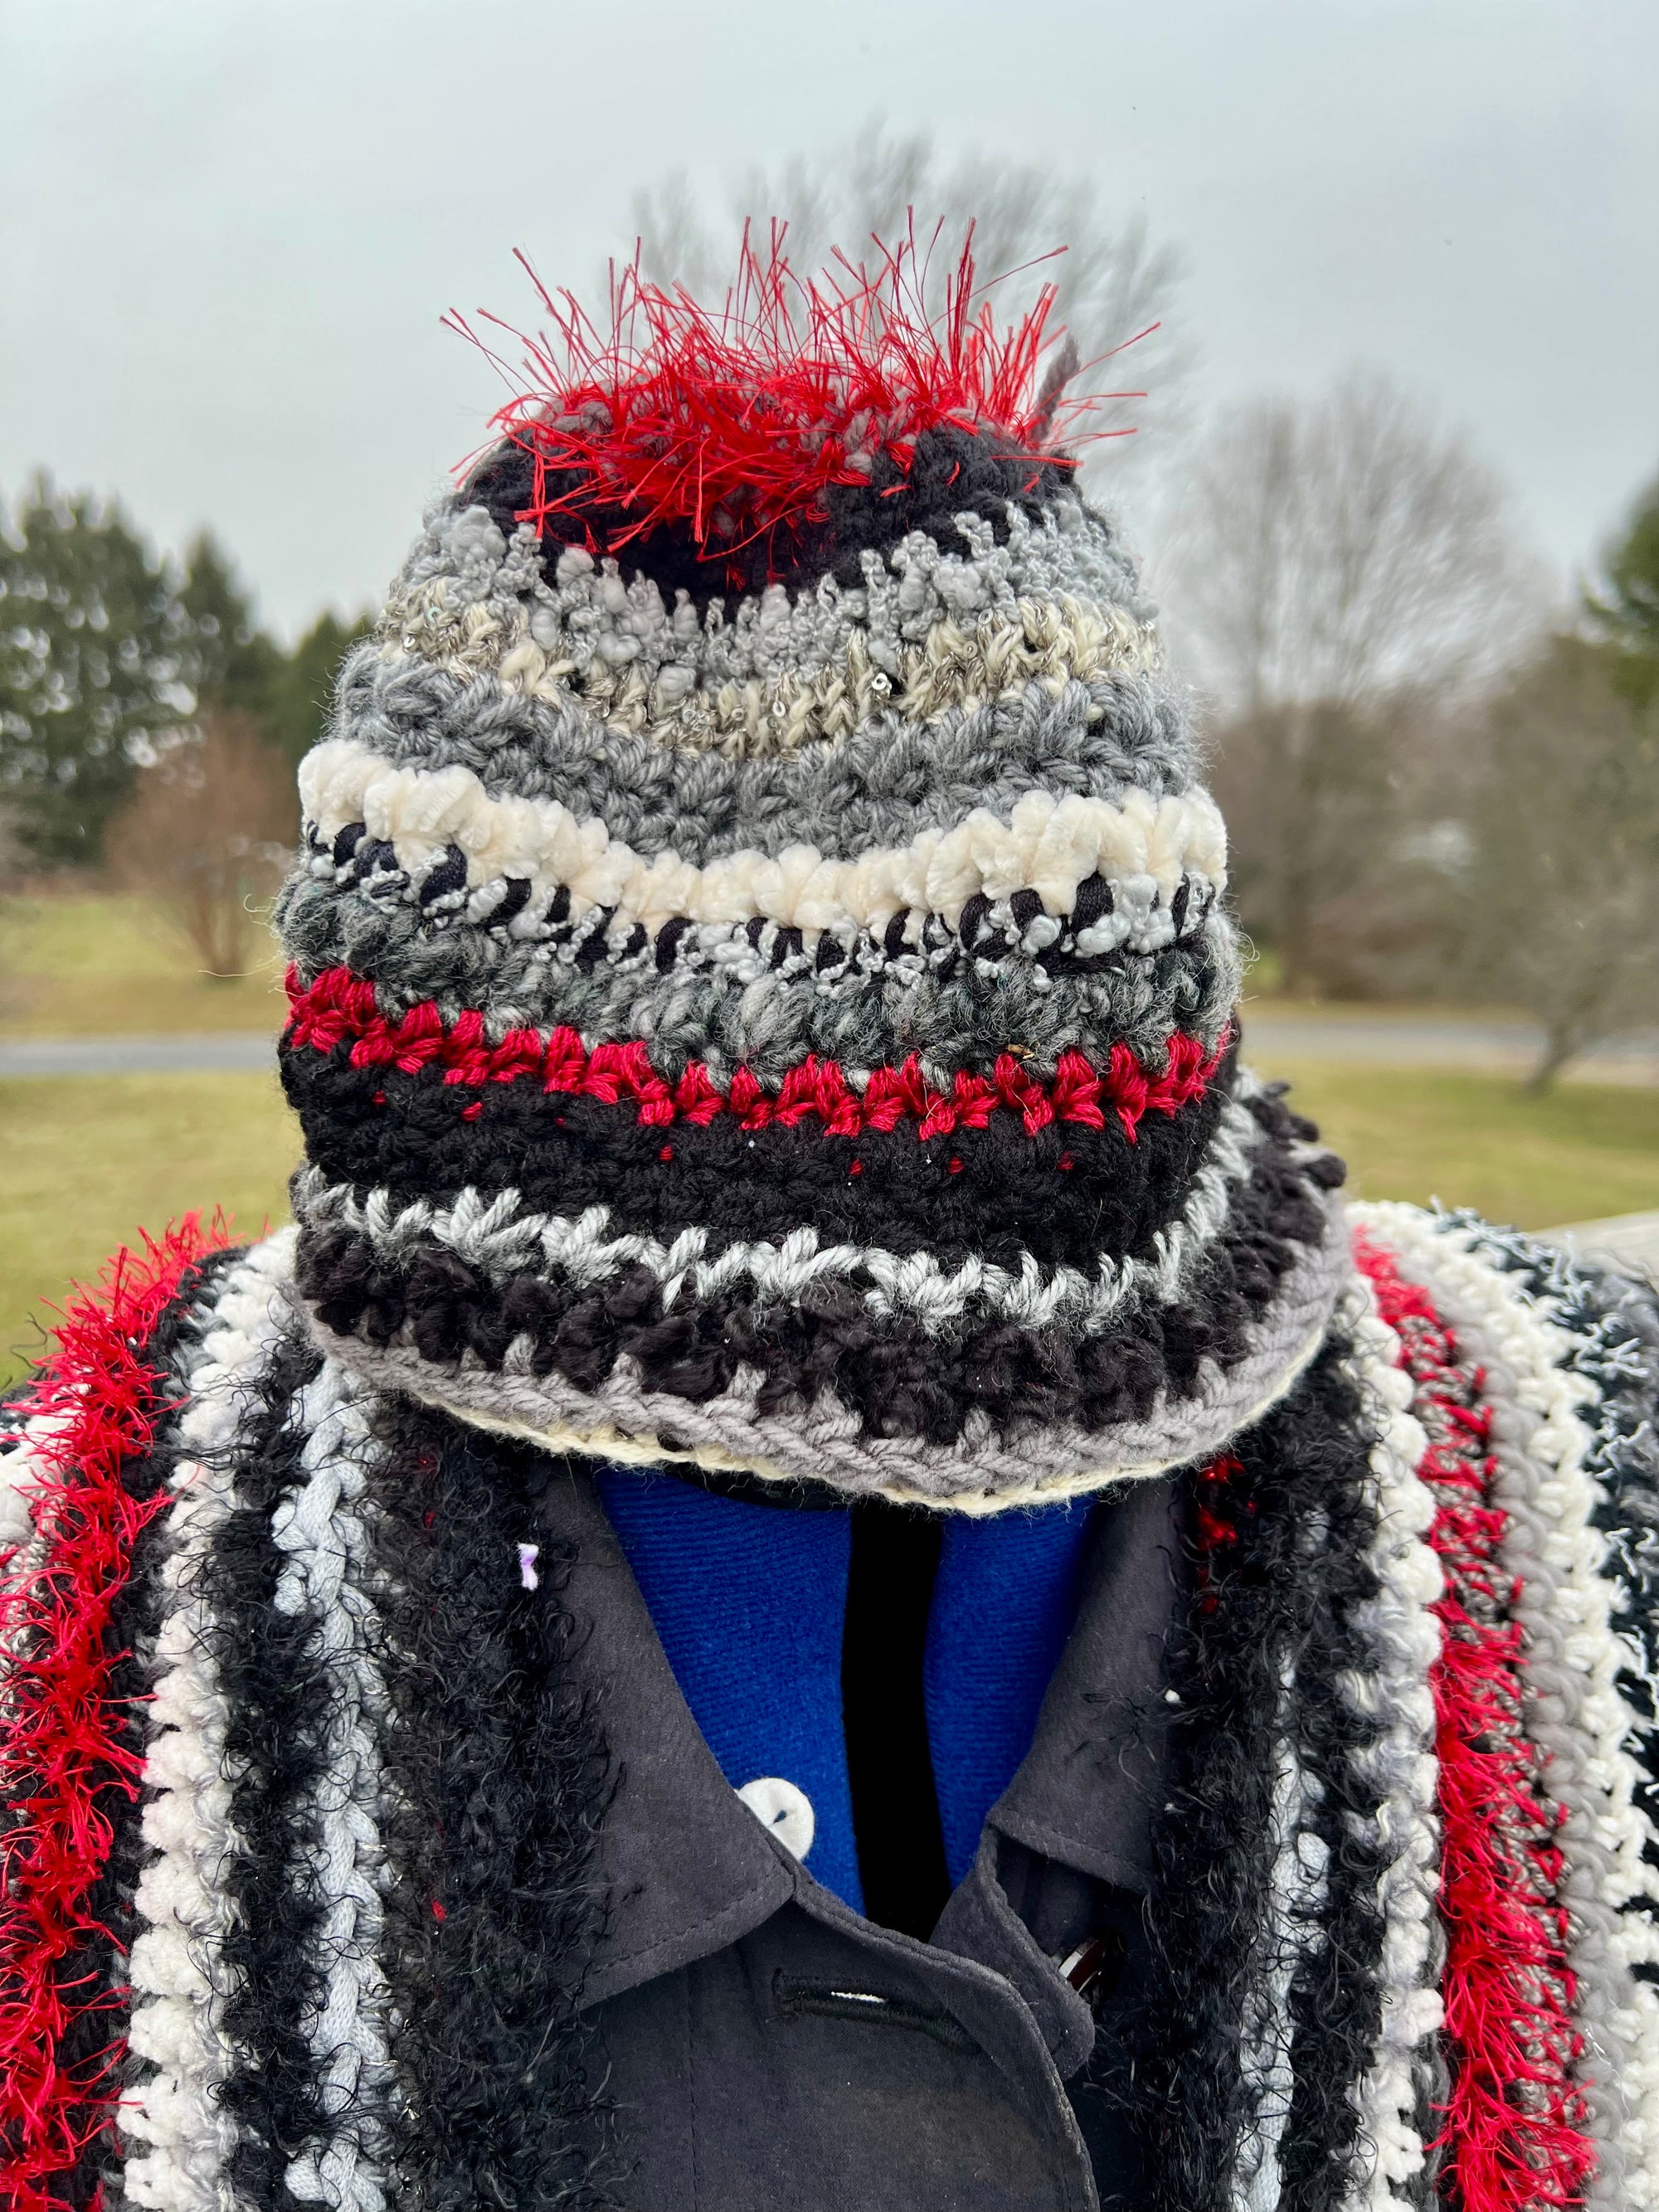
(88, 1161)
(1582, 1151)
(97, 964)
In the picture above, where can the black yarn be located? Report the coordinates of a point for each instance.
(889, 1766)
(1285, 1585)
(899, 1380)
(985, 934)
(995, 1191)
(497, 1779)
(128, 1646)
(279, 1697)
(952, 473)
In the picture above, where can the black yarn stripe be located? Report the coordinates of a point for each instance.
(278, 1693)
(1337, 2005)
(1262, 1597)
(898, 1379)
(994, 1191)
(889, 1766)
(497, 1777)
(986, 932)
(128, 1645)
(952, 473)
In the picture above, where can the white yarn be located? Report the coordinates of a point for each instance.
(324, 1543)
(1296, 1906)
(177, 2136)
(1050, 844)
(1405, 1639)
(1536, 1348)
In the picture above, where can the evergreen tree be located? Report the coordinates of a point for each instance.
(304, 683)
(1626, 608)
(92, 639)
(228, 661)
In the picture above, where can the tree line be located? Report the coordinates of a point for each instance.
(112, 655)
(1439, 783)
(149, 727)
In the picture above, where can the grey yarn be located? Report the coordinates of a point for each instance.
(882, 786)
(464, 579)
(984, 1470)
(324, 1540)
(770, 1022)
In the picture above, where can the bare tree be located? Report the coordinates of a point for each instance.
(1561, 887)
(206, 837)
(1337, 568)
(1113, 282)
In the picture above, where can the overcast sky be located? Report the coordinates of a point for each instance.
(229, 228)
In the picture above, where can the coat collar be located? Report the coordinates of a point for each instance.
(688, 1867)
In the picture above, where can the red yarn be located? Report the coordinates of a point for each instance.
(1513, 2135)
(339, 1006)
(64, 1753)
(734, 421)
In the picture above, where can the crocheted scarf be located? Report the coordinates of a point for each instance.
(275, 1644)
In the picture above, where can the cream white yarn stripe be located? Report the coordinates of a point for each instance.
(1400, 1765)
(1296, 1907)
(178, 2137)
(321, 1532)
(491, 1233)
(1591, 1772)
(1049, 844)
(1052, 641)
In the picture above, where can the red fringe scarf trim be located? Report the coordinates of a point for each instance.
(66, 1759)
(1513, 2133)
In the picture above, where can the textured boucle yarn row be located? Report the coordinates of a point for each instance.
(874, 789)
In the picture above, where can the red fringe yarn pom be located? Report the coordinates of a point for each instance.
(733, 421)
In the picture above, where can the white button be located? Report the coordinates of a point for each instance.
(785, 1811)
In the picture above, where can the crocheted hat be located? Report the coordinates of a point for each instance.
(761, 991)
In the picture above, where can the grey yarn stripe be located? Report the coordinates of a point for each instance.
(321, 1532)
(467, 592)
(880, 787)
(1523, 1487)
(982, 1471)
(178, 2137)
(771, 1024)
(1399, 1766)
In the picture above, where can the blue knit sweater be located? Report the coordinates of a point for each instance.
(750, 1603)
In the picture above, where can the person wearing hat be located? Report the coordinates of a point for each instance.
(826, 1571)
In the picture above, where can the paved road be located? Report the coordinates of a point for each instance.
(187, 1054)
(1354, 1039)
(1424, 1040)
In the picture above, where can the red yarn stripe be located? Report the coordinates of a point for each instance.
(1513, 2135)
(64, 1759)
(340, 1006)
